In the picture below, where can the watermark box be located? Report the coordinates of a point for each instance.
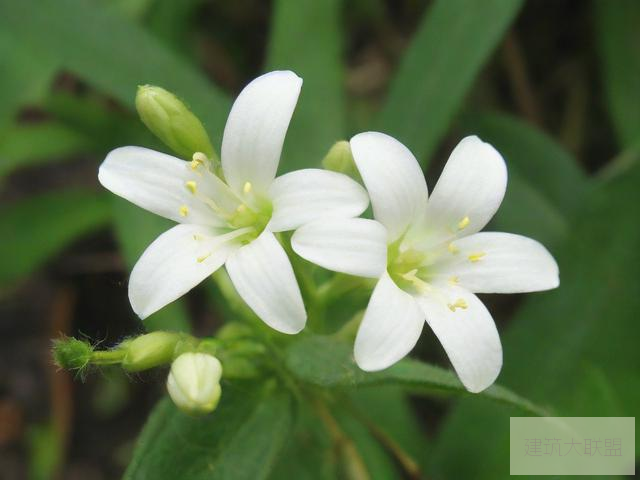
(572, 446)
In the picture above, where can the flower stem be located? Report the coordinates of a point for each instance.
(107, 357)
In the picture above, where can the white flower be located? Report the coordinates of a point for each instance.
(231, 222)
(428, 256)
(194, 382)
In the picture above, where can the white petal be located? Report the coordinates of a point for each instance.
(157, 182)
(390, 328)
(175, 262)
(355, 246)
(468, 335)
(305, 195)
(471, 185)
(262, 275)
(509, 264)
(256, 128)
(393, 178)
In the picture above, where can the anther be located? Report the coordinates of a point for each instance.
(475, 257)
(459, 303)
(198, 159)
(247, 187)
(191, 186)
(454, 280)
(184, 210)
(452, 248)
(463, 223)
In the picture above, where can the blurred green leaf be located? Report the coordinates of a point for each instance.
(241, 439)
(576, 347)
(306, 37)
(618, 41)
(34, 230)
(110, 52)
(34, 144)
(309, 452)
(454, 41)
(25, 76)
(327, 362)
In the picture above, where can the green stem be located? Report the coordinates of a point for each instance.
(107, 357)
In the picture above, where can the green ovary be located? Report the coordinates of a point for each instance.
(406, 268)
(256, 217)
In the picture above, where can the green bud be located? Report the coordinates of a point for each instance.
(194, 383)
(339, 159)
(148, 351)
(234, 331)
(72, 354)
(172, 122)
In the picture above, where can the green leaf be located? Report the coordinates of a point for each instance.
(327, 362)
(574, 347)
(452, 44)
(618, 41)
(242, 438)
(306, 37)
(35, 144)
(26, 75)
(110, 52)
(36, 229)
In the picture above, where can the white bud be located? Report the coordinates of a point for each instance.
(194, 382)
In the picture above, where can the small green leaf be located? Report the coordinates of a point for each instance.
(242, 438)
(454, 41)
(306, 37)
(618, 39)
(36, 229)
(326, 362)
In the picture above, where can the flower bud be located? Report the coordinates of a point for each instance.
(172, 122)
(194, 383)
(72, 354)
(148, 351)
(339, 159)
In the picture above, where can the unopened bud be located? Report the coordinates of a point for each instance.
(172, 122)
(148, 351)
(194, 383)
(339, 159)
(72, 354)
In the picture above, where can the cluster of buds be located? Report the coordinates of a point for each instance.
(194, 378)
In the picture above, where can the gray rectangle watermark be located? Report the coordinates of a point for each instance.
(572, 445)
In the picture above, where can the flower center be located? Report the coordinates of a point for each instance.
(407, 268)
(254, 212)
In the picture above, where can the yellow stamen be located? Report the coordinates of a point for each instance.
(459, 303)
(420, 284)
(191, 186)
(198, 159)
(203, 257)
(247, 187)
(475, 257)
(184, 210)
(463, 223)
(454, 280)
(452, 248)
